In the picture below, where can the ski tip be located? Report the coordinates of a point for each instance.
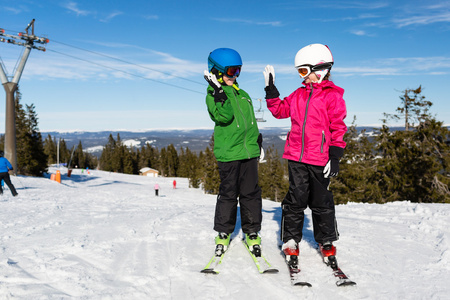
(302, 284)
(345, 282)
(209, 271)
(270, 271)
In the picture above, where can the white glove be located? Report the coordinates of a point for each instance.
(219, 95)
(331, 169)
(212, 80)
(262, 156)
(267, 71)
(327, 169)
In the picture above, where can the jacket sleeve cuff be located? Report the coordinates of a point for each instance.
(336, 152)
(271, 92)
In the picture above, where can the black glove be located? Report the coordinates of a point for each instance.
(269, 78)
(218, 94)
(259, 141)
(332, 167)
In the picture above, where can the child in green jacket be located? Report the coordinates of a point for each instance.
(236, 148)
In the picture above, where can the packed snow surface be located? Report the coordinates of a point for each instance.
(107, 236)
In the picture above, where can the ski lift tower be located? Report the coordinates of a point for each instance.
(28, 41)
(259, 113)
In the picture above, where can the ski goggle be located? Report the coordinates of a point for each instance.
(233, 71)
(305, 70)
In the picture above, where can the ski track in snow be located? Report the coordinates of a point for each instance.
(107, 236)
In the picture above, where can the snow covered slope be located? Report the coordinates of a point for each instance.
(106, 236)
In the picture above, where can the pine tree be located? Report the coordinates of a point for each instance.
(413, 163)
(414, 108)
(164, 163)
(64, 152)
(31, 158)
(183, 164)
(273, 181)
(50, 150)
(128, 164)
(118, 156)
(358, 168)
(106, 159)
(211, 177)
(172, 161)
(193, 168)
(149, 157)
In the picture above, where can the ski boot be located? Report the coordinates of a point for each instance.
(291, 251)
(253, 241)
(222, 243)
(328, 252)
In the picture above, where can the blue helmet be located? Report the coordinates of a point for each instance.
(223, 58)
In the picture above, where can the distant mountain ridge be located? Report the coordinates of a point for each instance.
(195, 139)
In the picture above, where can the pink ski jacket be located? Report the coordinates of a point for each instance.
(317, 113)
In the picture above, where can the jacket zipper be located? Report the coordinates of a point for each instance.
(245, 124)
(304, 123)
(323, 141)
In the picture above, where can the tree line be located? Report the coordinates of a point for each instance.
(411, 164)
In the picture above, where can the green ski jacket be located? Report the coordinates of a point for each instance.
(235, 132)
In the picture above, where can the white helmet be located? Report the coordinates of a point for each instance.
(315, 58)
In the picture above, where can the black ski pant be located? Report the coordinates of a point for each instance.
(5, 177)
(308, 187)
(238, 179)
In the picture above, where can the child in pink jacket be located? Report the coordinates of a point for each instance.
(313, 148)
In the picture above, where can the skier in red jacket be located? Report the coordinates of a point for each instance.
(313, 147)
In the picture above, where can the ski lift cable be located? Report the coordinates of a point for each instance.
(127, 62)
(125, 72)
(124, 61)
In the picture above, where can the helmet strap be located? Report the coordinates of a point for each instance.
(321, 74)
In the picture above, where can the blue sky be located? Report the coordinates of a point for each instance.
(137, 65)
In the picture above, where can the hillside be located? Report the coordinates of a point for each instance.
(106, 236)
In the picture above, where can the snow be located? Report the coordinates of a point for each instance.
(94, 149)
(132, 143)
(107, 236)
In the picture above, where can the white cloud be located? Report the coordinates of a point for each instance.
(14, 10)
(111, 16)
(423, 19)
(73, 7)
(360, 32)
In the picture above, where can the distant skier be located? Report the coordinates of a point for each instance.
(5, 167)
(174, 184)
(313, 147)
(236, 150)
(156, 189)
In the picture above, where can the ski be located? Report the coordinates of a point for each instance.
(211, 267)
(261, 262)
(343, 280)
(295, 272)
(216, 260)
(331, 261)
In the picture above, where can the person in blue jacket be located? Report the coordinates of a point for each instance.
(5, 167)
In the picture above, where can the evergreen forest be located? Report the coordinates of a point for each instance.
(390, 165)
